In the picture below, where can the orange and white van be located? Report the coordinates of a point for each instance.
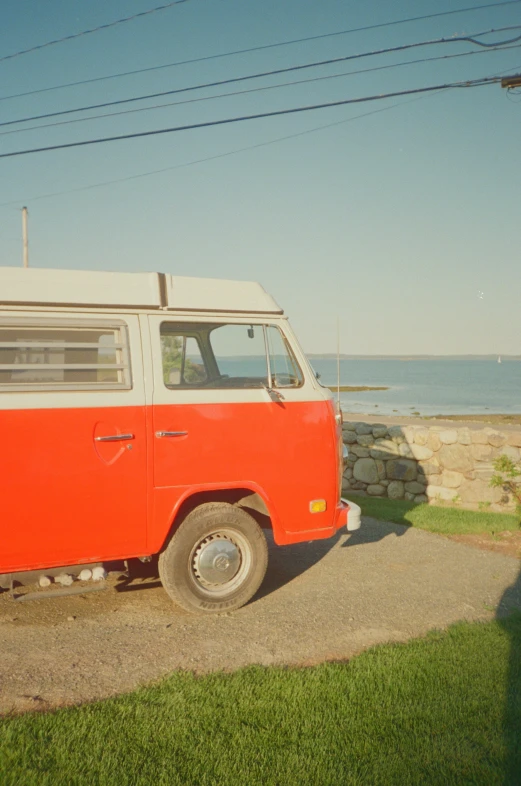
(148, 414)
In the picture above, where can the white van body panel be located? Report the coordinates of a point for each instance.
(78, 287)
(146, 290)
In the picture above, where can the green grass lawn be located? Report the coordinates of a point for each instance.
(445, 520)
(443, 710)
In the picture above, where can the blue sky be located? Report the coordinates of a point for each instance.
(403, 223)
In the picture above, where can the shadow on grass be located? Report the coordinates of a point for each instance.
(374, 527)
(509, 617)
(392, 510)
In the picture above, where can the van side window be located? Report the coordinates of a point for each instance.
(61, 355)
(223, 355)
(182, 361)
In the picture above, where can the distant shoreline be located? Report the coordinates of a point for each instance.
(493, 358)
(355, 388)
(493, 419)
(509, 420)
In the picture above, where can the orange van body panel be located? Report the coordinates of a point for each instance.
(287, 453)
(69, 499)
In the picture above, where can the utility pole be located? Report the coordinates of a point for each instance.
(511, 81)
(24, 236)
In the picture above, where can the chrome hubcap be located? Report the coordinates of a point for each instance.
(216, 560)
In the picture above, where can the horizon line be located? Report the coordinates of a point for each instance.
(412, 355)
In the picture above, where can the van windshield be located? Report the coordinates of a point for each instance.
(211, 355)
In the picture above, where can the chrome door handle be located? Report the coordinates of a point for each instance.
(114, 438)
(171, 433)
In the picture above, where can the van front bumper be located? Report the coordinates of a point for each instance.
(354, 515)
(346, 514)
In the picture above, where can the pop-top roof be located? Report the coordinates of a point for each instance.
(145, 290)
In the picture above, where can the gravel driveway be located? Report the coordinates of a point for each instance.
(323, 600)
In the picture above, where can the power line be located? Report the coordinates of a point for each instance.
(152, 172)
(273, 72)
(218, 155)
(258, 89)
(257, 48)
(258, 116)
(92, 30)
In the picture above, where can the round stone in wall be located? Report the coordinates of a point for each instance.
(401, 469)
(363, 428)
(449, 437)
(396, 433)
(414, 487)
(420, 436)
(395, 489)
(455, 457)
(375, 490)
(434, 441)
(511, 452)
(365, 470)
(464, 436)
(421, 452)
(495, 438)
(451, 479)
(360, 451)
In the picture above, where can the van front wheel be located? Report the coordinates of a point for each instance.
(216, 559)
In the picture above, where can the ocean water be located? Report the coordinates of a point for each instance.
(438, 386)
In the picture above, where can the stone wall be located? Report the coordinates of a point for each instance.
(424, 463)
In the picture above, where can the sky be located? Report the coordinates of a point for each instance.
(397, 219)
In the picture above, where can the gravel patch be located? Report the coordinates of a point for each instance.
(325, 600)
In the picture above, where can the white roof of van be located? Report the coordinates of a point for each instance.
(39, 286)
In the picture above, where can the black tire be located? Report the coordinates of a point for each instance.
(216, 559)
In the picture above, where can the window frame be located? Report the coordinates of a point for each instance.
(291, 355)
(122, 345)
(192, 329)
(183, 335)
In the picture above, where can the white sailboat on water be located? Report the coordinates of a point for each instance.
(499, 358)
